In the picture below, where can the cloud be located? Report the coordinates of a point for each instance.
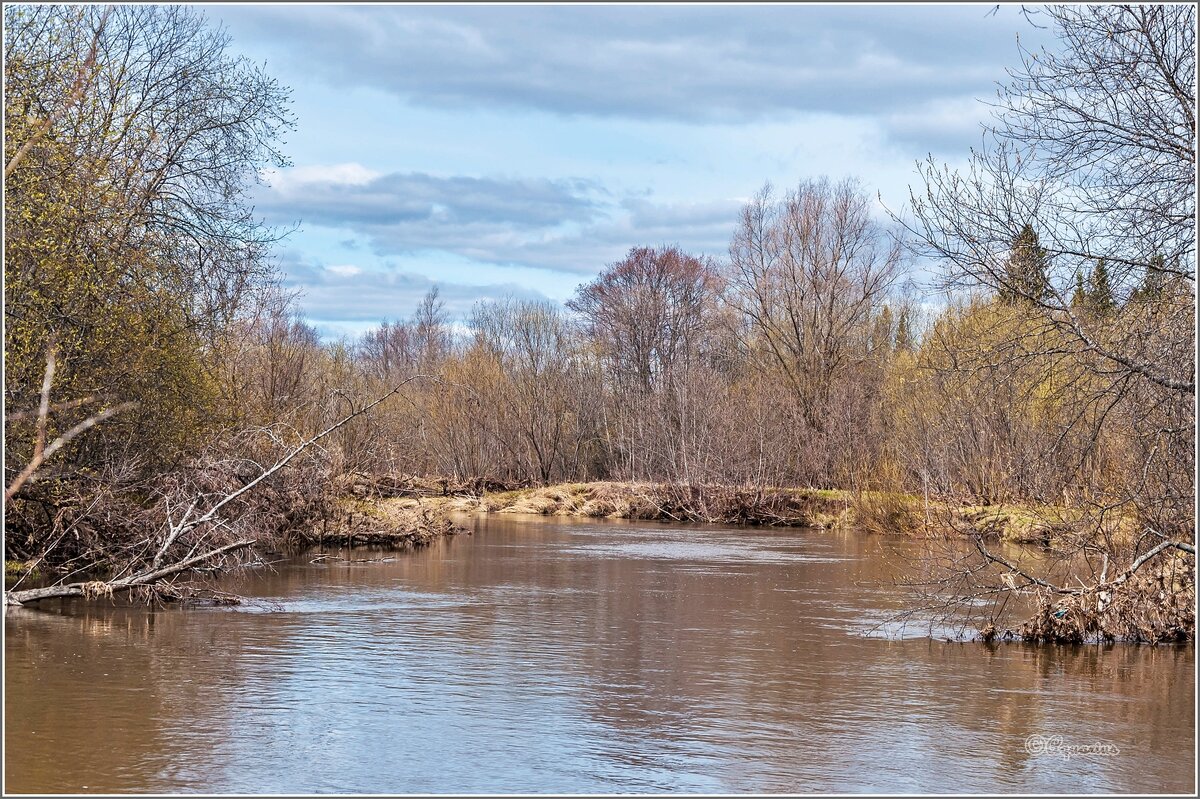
(297, 177)
(345, 297)
(701, 63)
(349, 195)
(700, 228)
(568, 225)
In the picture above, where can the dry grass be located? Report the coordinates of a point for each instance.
(877, 512)
(886, 512)
(1037, 525)
(650, 501)
(396, 522)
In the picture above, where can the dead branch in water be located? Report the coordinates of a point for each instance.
(123, 584)
(1099, 586)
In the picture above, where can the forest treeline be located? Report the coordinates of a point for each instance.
(1052, 366)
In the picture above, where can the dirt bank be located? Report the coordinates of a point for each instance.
(393, 522)
(873, 511)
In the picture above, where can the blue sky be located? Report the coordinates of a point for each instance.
(517, 150)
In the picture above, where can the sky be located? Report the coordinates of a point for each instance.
(516, 151)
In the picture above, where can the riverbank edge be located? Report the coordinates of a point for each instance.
(383, 524)
(414, 512)
(871, 511)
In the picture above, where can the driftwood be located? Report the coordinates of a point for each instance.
(1032, 581)
(123, 584)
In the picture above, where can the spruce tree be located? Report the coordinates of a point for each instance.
(882, 338)
(1025, 272)
(1100, 294)
(1079, 296)
(904, 342)
(1154, 281)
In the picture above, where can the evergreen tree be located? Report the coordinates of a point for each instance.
(1100, 293)
(1025, 271)
(1079, 296)
(882, 337)
(1154, 281)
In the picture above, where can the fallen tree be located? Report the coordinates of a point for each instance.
(100, 587)
(1139, 588)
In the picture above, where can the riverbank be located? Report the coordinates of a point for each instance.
(394, 523)
(873, 511)
(383, 523)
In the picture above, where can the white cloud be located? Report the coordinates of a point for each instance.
(295, 179)
(337, 300)
(565, 225)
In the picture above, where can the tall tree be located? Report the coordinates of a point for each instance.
(649, 313)
(131, 138)
(534, 405)
(1100, 293)
(652, 317)
(1094, 145)
(810, 271)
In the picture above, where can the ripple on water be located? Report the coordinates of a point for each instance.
(685, 551)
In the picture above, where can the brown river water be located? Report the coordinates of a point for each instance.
(559, 655)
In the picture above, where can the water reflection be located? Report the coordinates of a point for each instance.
(574, 656)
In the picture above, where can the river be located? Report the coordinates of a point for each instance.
(561, 655)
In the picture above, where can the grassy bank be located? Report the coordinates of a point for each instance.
(651, 502)
(877, 512)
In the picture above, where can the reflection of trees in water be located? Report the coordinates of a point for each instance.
(103, 697)
(706, 666)
(1139, 698)
(757, 678)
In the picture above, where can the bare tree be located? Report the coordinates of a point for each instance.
(1085, 184)
(530, 343)
(649, 312)
(810, 271)
(1094, 148)
(651, 317)
(431, 338)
